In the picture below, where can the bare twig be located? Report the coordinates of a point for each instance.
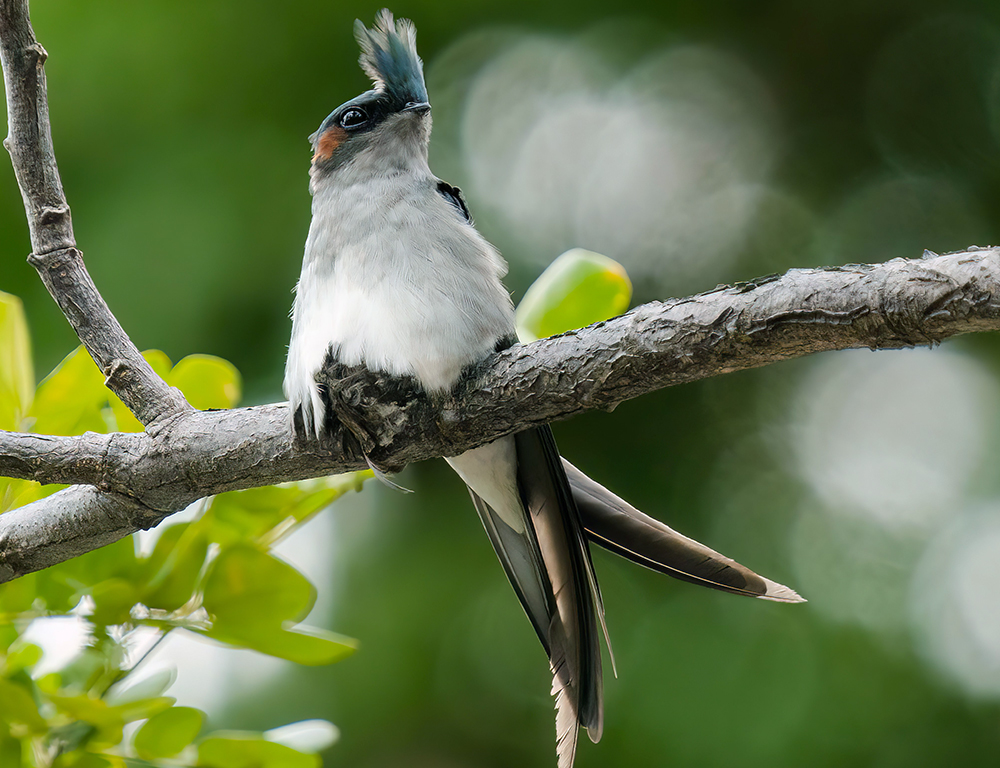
(50, 224)
(145, 477)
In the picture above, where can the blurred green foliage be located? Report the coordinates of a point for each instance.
(180, 130)
(214, 575)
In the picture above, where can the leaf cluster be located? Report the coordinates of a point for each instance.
(214, 575)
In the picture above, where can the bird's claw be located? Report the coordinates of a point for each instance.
(344, 392)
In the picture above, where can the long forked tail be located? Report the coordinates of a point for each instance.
(521, 493)
(621, 528)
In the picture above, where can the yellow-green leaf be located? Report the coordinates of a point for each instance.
(246, 750)
(17, 377)
(309, 646)
(166, 734)
(18, 706)
(18, 596)
(248, 587)
(71, 399)
(10, 751)
(113, 601)
(252, 596)
(267, 514)
(20, 656)
(17, 493)
(207, 381)
(140, 709)
(177, 558)
(578, 288)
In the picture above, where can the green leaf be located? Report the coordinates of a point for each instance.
(140, 709)
(207, 381)
(167, 733)
(246, 587)
(578, 288)
(174, 566)
(17, 493)
(246, 750)
(8, 635)
(71, 399)
(10, 752)
(88, 760)
(18, 596)
(310, 736)
(252, 595)
(113, 601)
(17, 377)
(21, 655)
(309, 646)
(268, 514)
(89, 710)
(83, 670)
(108, 722)
(61, 586)
(67, 739)
(17, 705)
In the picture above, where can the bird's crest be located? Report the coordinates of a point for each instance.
(389, 57)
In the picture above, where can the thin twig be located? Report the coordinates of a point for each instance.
(55, 256)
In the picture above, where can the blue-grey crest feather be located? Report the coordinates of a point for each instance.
(389, 57)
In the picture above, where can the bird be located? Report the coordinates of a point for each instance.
(396, 278)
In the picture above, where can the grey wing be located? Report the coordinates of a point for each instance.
(454, 196)
(621, 528)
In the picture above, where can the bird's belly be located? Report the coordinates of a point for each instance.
(388, 327)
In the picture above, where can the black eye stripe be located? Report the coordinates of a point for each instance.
(353, 118)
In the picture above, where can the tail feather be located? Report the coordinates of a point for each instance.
(561, 536)
(522, 495)
(621, 528)
(567, 714)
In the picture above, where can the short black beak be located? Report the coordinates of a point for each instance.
(420, 107)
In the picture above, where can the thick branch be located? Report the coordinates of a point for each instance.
(50, 225)
(145, 477)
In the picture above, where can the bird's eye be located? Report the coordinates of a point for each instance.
(353, 117)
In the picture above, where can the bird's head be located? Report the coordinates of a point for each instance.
(387, 128)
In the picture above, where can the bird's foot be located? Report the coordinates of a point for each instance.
(357, 397)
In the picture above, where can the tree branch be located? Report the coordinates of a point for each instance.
(144, 477)
(132, 481)
(59, 263)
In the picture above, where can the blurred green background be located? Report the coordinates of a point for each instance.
(697, 143)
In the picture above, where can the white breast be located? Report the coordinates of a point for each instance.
(394, 279)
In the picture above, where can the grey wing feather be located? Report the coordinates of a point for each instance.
(523, 564)
(621, 528)
(454, 196)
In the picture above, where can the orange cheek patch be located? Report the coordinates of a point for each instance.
(328, 143)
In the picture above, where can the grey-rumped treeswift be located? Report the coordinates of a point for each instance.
(396, 278)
